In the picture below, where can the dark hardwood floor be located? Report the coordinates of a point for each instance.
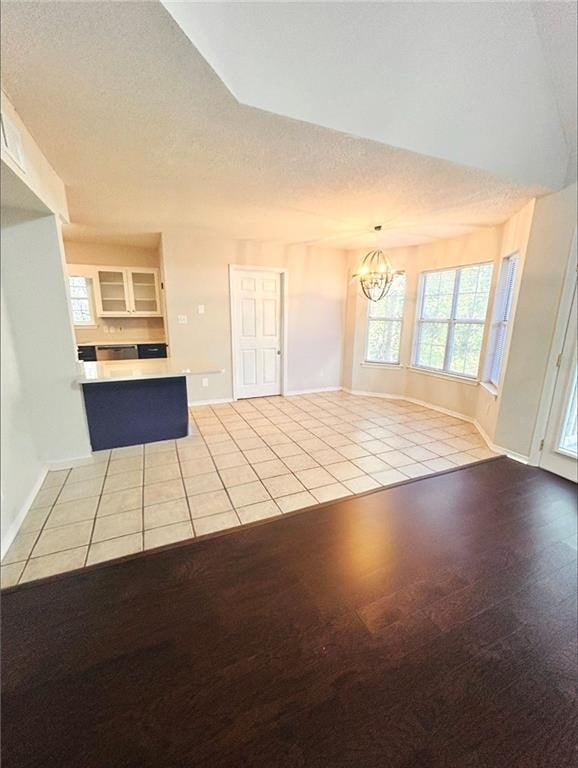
(429, 624)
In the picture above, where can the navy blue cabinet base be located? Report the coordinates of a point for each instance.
(138, 411)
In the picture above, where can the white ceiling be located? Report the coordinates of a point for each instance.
(468, 82)
(146, 136)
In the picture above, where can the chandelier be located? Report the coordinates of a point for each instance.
(375, 274)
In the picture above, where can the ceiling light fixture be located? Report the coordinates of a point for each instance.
(375, 274)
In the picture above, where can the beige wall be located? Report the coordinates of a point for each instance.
(552, 229)
(515, 234)
(196, 271)
(110, 255)
(37, 174)
(115, 330)
(442, 391)
(541, 233)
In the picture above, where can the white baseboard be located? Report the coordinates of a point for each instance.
(285, 394)
(491, 445)
(315, 391)
(9, 535)
(498, 448)
(220, 401)
(54, 466)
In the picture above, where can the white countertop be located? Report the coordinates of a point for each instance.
(129, 370)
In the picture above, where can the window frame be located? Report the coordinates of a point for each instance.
(451, 322)
(85, 274)
(501, 316)
(400, 320)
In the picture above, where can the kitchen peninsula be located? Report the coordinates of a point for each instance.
(129, 402)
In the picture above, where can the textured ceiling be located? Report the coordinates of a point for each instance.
(146, 136)
(468, 82)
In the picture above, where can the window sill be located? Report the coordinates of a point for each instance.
(489, 388)
(371, 364)
(447, 376)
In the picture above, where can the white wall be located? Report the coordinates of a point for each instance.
(37, 306)
(22, 471)
(196, 271)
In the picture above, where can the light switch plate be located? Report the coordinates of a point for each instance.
(182, 319)
(204, 382)
(201, 309)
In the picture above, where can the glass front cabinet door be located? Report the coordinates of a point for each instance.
(128, 292)
(112, 299)
(144, 291)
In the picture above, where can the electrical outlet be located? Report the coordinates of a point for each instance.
(321, 373)
(204, 382)
(182, 319)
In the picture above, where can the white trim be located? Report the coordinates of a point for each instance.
(443, 375)
(284, 272)
(393, 366)
(462, 416)
(567, 294)
(294, 392)
(55, 465)
(216, 401)
(489, 387)
(9, 535)
(451, 321)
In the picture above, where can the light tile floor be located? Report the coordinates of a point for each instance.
(242, 462)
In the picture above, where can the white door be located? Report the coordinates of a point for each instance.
(256, 332)
(559, 452)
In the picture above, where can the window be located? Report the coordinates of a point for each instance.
(569, 437)
(81, 300)
(502, 309)
(384, 324)
(451, 316)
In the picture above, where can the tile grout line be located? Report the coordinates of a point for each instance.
(190, 417)
(97, 508)
(321, 412)
(250, 465)
(41, 531)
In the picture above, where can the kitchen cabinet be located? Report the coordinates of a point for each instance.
(127, 292)
(147, 351)
(87, 353)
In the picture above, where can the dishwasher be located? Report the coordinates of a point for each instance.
(117, 352)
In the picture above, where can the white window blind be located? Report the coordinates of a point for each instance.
(81, 300)
(384, 323)
(451, 316)
(501, 317)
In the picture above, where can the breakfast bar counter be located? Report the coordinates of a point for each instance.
(129, 402)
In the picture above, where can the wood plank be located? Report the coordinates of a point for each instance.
(430, 624)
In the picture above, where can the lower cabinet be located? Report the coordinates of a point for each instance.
(86, 353)
(146, 351)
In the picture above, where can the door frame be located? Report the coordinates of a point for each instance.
(284, 273)
(556, 349)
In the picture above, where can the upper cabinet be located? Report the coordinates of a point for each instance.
(127, 291)
(144, 291)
